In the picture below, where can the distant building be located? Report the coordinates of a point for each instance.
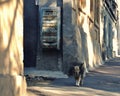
(110, 18)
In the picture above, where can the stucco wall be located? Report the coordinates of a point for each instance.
(80, 41)
(11, 48)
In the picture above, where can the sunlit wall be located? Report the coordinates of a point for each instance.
(11, 37)
(12, 80)
(83, 17)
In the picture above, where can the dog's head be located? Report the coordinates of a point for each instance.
(76, 69)
(78, 72)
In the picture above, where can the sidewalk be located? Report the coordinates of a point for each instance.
(49, 74)
(103, 81)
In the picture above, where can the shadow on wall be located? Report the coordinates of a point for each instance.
(68, 31)
(31, 33)
(32, 30)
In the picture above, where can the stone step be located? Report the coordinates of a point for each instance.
(44, 73)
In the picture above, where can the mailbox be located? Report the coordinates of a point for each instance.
(50, 27)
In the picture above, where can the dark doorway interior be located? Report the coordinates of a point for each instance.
(30, 32)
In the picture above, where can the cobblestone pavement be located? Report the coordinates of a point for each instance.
(103, 81)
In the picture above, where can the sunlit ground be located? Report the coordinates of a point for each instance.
(68, 91)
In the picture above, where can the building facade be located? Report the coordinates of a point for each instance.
(85, 31)
(110, 32)
(118, 28)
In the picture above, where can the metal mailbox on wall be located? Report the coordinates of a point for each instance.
(50, 27)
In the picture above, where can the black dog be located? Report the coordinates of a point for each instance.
(78, 71)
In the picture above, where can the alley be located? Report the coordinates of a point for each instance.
(103, 81)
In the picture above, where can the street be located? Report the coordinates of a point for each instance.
(103, 81)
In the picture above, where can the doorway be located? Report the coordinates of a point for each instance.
(30, 33)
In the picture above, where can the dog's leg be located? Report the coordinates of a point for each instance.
(78, 82)
(81, 80)
(82, 73)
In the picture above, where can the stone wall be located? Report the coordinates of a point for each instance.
(12, 80)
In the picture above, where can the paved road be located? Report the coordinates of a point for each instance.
(103, 81)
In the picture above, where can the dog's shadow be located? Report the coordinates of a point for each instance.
(64, 82)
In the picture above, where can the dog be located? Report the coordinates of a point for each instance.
(78, 72)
